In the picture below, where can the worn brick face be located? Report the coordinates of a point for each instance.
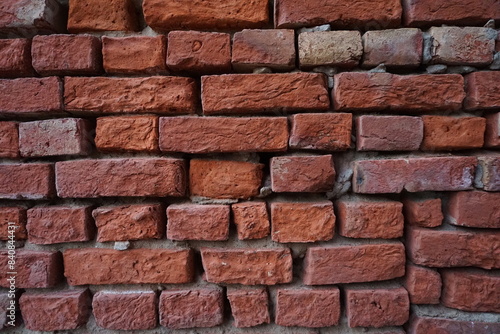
(450, 133)
(9, 140)
(27, 181)
(481, 88)
(93, 15)
(423, 284)
(249, 307)
(17, 217)
(492, 135)
(423, 212)
(251, 220)
(474, 209)
(15, 58)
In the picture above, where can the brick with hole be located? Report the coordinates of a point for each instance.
(93, 15)
(308, 307)
(27, 181)
(125, 310)
(481, 88)
(423, 325)
(492, 135)
(423, 212)
(66, 55)
(249, 307)
(129, 222)
(251, 220)
(478, 209)
(9, 140)
(302, 221)
(198, 222)
(54, 311)
(423, 284)
(452, 133)
(198, 52)
(247, 266)
(13, 220)
(45, 17)
(15, 58)
(488, 172)
(203, 307)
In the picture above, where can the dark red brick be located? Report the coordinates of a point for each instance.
(15, 58)
(481, 88)
(9, 140)
(16, 216)
(198, 222)
(27, 181)
(479, 209)
(423, 212)
(492, 135)
(94, 15)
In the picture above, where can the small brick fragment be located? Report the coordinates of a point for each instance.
(488, 172)
(9, 140)
(198, 222)
(191, 308)
(251, 220)
(423, 285)
(13, 219)
(424, 212)
(15, 58)
(478, 209)
(27, 181)
(451, 133)
(481, 90)
(492, 135)
(249, 307)
(94, 15)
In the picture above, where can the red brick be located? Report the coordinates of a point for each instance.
(34, 269)
(137, 266)
(62, 136)
(66, 55)
(27, 181)
(53, 311)
(488, 172)
(224, 179)
(479, 209)
(302, 173)
(263, 48)
(9, 140)
(31, 97)
(125, 310)
(127, 134)
(355, 263)
(191, 308)
(397, 48)
(397, 93)
(199, 52)
(340, 13)
(200, 15)
(423, 13)
(481, 89)
(423, 285)
(492, 135)
(249, 307)
(129, 222)
(58, 224)
(157, 94)
(198, 222)
(263, 93)
(423, 212)
(247, 266)
(248, 134)
(377, 307)
(427, 325)
(330, 132)
(94, 15)
(134, 54)
(251, 220)
(370, 219)
(388, 133)
(302, 222)
(154, 177)
(17, 216)
(308, 307)
(452, 133)
(453, 248)
(15, 58)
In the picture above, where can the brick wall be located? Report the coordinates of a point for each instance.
(228, 166)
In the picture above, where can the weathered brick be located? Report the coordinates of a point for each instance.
(377, 307)
(356, 263)
(198, 222)
(137, 266)
(53, 311)
(127, 134)
(263, 48)
(27, 181)
(340, 13)
(388, 133)
(62, 136)
(15, 58)
(423, 212)
(129, 222)
(200, 15)
(488, 172)
(17, 217)
(125, 310)
(94, 15)
(398, 48)
(191, 308)
(58, 224)
(66, 55)
(9, 140)
(8, 311)
(157, 94)
(308, 307)
(330, 132)
(302, 173)
(249, 307)
(247, 266)
(474, 209)
(134, 54)
(261, 93)
(224, 179)
(154, 177)
(302, 222)
(397, 93)
(251, 220)
(492, 135)
(481, 88)
(453, 248)
(199, 52)
(452, 133)
(248, 134)
(427, 325)
(34, 269)
(423, 285)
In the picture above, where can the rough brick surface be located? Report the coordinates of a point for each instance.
(451, 133)
(137, 266)
(492, 135)
(17, 216)
(9, 140)
(481, 90)
(247, 266)
(474, 209)
(251, 220)
(488, 173)
(27, 181)
(422, 325)
(302, 222)
(154, 177)
(423, 285)
(15, 58)
(198, 222)
(93, 15)
(423, 212)
(249, 307)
